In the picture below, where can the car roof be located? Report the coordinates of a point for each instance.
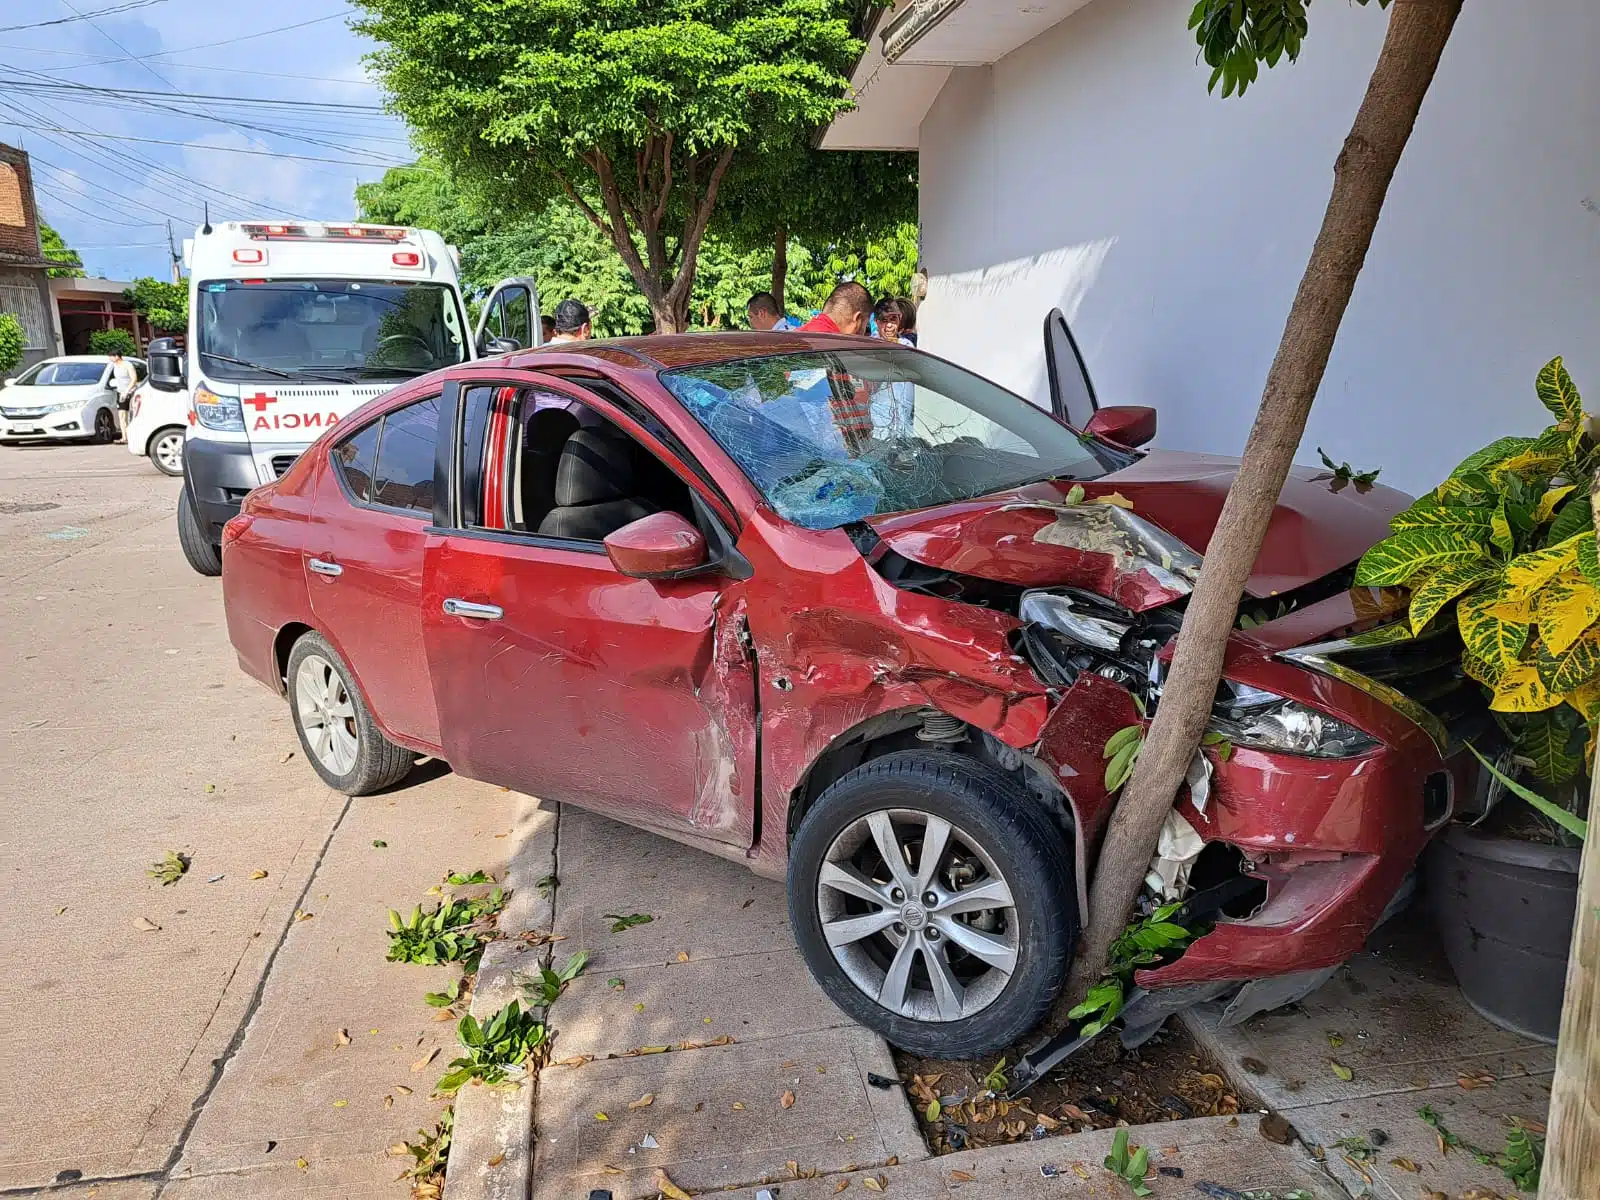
(94, 358)
(667, 350)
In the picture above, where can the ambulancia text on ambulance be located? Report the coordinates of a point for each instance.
(293, 326)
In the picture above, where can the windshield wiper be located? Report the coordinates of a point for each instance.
(300, 373)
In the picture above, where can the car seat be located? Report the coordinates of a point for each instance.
(595, 486)
(542, 442)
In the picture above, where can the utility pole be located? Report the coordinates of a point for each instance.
(1572, 1154)
(172, 252)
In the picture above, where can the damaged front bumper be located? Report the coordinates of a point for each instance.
(1330, 840)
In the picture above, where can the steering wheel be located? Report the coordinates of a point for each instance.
(404, 336)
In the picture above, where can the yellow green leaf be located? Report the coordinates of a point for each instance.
(1566, 606)
(1550, 501)
(1535, 461)
(1546, 740)
(1571, 668)
(1557, 392)
(1484, 672)
(1444, 585)
(1521, 690)
(1500, 531)
(1496, 451)
(1588, 559)
(1428, 512)
(1527, 572)
(1496, 641)
(1402, 555)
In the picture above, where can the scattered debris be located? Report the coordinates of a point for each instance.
(644, 1101)
(445, 998)
(258, 873)
(1474, 1080)
(170, 869)
(1253, 1066)
(1342, 1071)
(1129, 1164)
(457, 879)
(146, 925)
(787, 1100)
(615, 983)
(648, 1142)
(286, 756)
(546, 885)
(620, 921)
(216, 879)
(1276, 1128)
(667, 1188)
(547, 988)
(880, 1081)
(342, 1038)
(379, 844)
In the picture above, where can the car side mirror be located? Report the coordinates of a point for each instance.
(166, 365)
(660, 546)
(499, 345)
(1124, 424)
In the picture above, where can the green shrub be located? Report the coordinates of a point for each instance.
(112, 341)
(13, 340)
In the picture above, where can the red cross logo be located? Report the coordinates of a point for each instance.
(260, 401)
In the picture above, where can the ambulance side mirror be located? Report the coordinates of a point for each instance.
(166, 364)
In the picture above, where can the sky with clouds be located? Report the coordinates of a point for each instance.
(180, 75)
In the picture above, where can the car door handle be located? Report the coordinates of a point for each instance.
(479, 612)
(331, 569)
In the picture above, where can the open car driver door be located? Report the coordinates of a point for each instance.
(1072, 397)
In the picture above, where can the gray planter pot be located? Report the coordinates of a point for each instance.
(1504, 910)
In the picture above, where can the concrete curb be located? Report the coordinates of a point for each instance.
(495, 1125)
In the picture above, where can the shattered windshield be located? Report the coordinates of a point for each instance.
(327, 328)
(834, 437)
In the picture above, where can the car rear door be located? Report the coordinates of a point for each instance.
(364, 552)
(557, 675)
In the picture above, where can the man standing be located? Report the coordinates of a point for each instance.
(848, 310)
(764, 313)
(572, 322)
(123, 380)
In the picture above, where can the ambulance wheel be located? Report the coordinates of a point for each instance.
(202, 553)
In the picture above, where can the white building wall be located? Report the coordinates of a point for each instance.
(1090, 170)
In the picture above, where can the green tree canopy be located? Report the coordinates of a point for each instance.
(56, 249)
(634, 110)
(13, 341)
(166, 305)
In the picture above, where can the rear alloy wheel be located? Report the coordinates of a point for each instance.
(201, 553)
(166, 451)
(105, 426)
(933, 900)
(336, 731)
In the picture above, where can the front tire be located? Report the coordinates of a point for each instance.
(202, 554)
(337, 732)
(165, 450)
(932, 898)
(105, 427)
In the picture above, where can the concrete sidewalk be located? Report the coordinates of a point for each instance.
(786, 1105)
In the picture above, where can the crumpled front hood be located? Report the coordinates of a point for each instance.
(1148, 555)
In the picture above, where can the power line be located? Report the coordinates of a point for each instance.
(95, 25)
(209, 45)
(97, 216)
(366, 83)
(99, 12)
(124, 137)
(54, 85)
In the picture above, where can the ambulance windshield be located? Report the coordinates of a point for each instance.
(326, 329)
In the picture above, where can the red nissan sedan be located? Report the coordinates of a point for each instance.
(865, 621)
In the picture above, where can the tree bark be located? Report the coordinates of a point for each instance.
(1413, 43)
(780, 267)
(1572, 1153)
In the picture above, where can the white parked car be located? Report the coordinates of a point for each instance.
(157, 422)
(70, 397)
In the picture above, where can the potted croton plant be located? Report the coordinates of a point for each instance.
(1505, 549)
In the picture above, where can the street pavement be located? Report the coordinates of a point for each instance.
(203, 1057)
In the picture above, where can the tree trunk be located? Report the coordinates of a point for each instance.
(1416, 37)
(1572, 1153)
(780, 267)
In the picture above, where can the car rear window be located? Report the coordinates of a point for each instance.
(404, 475)
(354, 457)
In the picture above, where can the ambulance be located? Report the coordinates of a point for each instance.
(293, 326)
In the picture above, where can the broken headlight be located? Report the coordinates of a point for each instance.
(1262, 720)
(1084, 622)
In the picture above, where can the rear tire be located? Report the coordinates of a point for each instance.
(337, 732)
(165, 450)
(961, 956)
(202, 554)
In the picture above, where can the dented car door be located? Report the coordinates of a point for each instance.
(557, 675)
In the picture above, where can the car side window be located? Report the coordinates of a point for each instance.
(353, 459)
(573, 474)
(403, 477)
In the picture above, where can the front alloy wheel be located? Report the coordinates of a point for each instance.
(932, 897)
(933, 942)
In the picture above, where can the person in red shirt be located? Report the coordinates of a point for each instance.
(848, 310)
